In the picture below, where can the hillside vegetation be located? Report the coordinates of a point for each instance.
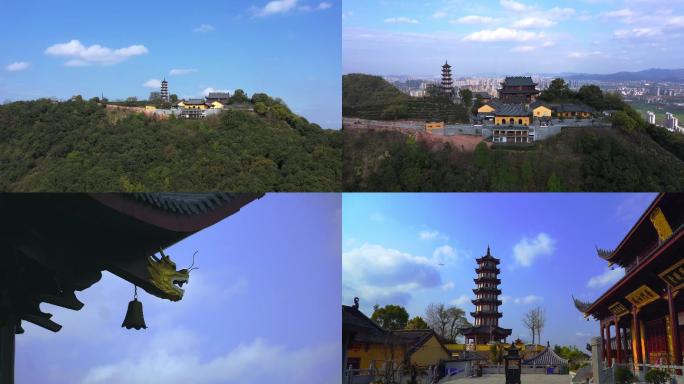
(630, 156)
(79, 146)
(371, 97)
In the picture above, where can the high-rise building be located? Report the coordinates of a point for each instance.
(154, 95)
(447, 82)
(671, 122)
(650, 117)
(165, 90)
(486, 315)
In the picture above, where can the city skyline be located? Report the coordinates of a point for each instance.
(285, 48)
(415, 249)
(510, 37)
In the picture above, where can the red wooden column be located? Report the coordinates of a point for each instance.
(609, 354)
(636, 338)
(618, 347)
(674, 327)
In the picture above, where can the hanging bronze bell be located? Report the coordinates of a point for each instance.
(134, 316)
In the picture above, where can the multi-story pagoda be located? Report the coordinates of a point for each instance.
(447, 83)
(518, 89)
(165, 90)
(486, 328)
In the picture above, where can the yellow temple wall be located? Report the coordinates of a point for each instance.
(504, 120)
(542, 111)
(429, 353)
(378, 353)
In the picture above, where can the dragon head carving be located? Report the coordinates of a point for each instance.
(165, 277)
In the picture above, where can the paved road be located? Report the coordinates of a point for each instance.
(525, 379)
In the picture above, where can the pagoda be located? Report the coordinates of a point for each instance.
(447, 84)
(486, 328)
(165, 90)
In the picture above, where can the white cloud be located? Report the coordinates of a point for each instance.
(17, 66)
(439, 15)
(534, 22)
(461, 300)
(208, 90)
(547, 44)
(172, 362)
(428, 235)
(444, 254)
(275, 7)
(608, 277)
(582, 55)
(448, 285)
(324, 5)
(524, 300)
(513, 5)
(204, 28)
(501, 34)
(374, 273)
(152, 83)
(559, 13)
(621, 13)
(636, 33)
(524, 48)
(582, 334)
(400, 20)
(527, 250)
(180, 71)
(473, 19)
(677, 21)
(80, 55)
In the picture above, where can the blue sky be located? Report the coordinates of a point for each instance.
(393, 245)
(409, 37)
(286, 48)
(263, 307)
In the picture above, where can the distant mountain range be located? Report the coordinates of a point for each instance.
(653, 74)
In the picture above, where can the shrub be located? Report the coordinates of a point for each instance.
(623, 375)
(657, 376)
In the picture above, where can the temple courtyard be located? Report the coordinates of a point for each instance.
(524, 379)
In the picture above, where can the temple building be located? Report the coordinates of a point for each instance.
(165, 90)
(367, 348)
(641, 317)
(518, 89)
(447, 83)
(486, 328)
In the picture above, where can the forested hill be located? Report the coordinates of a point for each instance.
(371, 97)
(80, 146)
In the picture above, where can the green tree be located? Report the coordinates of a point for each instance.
(390, 316)
(260, 108)
(558, 90)
(417, 323)
(467, 97)
(622, 120)
(554, 183)
(238, 97)
(479, 102)
(591, 95)
(173, 98)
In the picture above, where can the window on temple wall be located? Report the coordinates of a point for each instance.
(520, 121)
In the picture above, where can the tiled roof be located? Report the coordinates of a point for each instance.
(185, 203)
(518, 81)
(484, 95)
(512, 110)
(538, 103)
(194, 102)
(486, 329)
(574, 108)
(546, 357)
(496, 104)
(365, 329)
(582, 306)
(218, 95)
